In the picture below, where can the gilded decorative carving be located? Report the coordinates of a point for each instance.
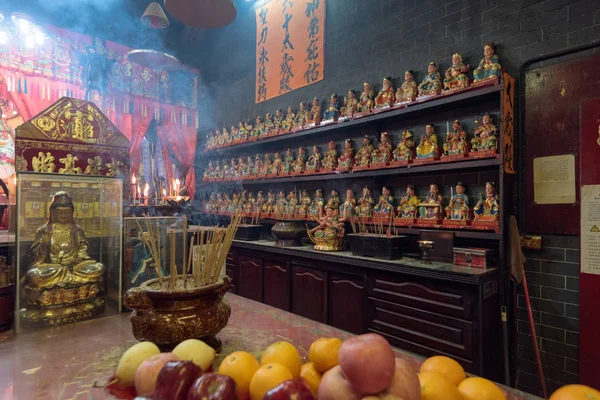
(94, 166)
(69, 165)
(114, 168)
(43, 162)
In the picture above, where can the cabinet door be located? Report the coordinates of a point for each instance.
(309, 293)
(250, 278)
(276, 285)
(346, 303)
(231, 270)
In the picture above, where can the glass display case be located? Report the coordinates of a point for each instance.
(68, 248)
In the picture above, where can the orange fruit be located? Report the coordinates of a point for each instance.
(435, 386)
(575, 392)
(266, 378)
(445, 366)
(323, 353)
(285, 354)
(480, 389)
(311, 376)
(240, 366)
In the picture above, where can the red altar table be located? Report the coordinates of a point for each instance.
(63, 363)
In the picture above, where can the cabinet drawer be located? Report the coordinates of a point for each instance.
(441, 300)
(421, 331)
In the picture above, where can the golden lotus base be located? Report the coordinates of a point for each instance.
(64, 314)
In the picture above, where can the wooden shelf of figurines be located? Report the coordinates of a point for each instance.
(437, 156)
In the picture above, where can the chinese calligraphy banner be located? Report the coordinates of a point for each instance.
(290, 46)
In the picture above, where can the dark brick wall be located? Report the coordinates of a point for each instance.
(367, 40)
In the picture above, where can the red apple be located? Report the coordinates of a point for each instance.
(335, 386)
(147, 372)
(405, 383)
(174, 380)
(368, 362)
(213, 387)
(296, 389)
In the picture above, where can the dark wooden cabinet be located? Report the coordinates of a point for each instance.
(277, 285)
(250, 273)
(421, 310)
(231, 269)
(309, 293)
(346, 303)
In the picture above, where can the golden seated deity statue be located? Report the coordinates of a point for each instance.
(62, 283)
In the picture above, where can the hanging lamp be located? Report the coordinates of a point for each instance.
(155, 17)
(202, 13)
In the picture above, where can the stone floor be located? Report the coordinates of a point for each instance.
(65, 362)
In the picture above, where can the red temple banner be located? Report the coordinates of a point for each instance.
(290, 46)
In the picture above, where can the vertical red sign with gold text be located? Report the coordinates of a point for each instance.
(290, 46)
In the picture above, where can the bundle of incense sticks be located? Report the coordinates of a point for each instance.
(153, 244)
(210, 247)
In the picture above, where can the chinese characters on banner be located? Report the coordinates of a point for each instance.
(290, 51)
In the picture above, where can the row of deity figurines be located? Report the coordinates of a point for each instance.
(410, 210)
(455, 79)
(457, 146)
(46, 162)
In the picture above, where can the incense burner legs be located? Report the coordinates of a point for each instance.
(167, 318)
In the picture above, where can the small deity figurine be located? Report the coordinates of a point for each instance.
(292, 203)
(258, 128)
(212, 203)
(365, 204)
(408, 90)
(218, 138)
(488, 208)
(226, 136)
(277, 165)
(267, 207)
(218, 171)
(290, 120)
(457, 78)
(219, 202)
(332, 113)
(268, 125)
(226, 205)
(314, 161)
(226, 170)
(62, 272)
(266, 166)
(428, 147)
(459, 204)
(233, 168)
(431, 207)
(258, 165)
(242, 132)
(330, 159)
(327, 236)
(346, 160)
(278, 120)
(363, 156)
(260, 201)
(281, 204)
(366, 98)
(350, 105)
(249, 166)
(349, 206)
(486, 135)
(385, 206)
(305, 202)
(249, 207)
(300, 163)
(334, 201)
(249, 128)
(314, 116)
(386, 96)
(288, 164)
(242, 168)
(302, 116)
(210, 140)
(432, 83)
(489, 66)
(209, 172)
(456, 140)
(404, 151)
(235, 133)
(383, 153)
(316, 208)
(408, 204)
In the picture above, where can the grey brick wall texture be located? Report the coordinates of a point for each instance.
(368, 40)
